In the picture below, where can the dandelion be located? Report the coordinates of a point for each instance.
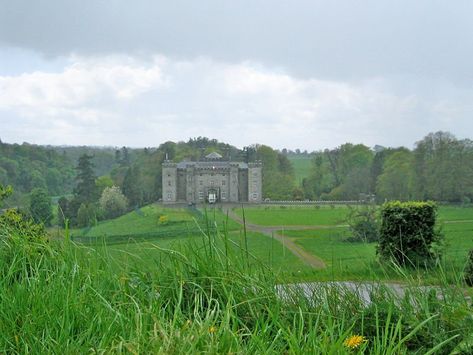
(354, 341)
(212, 329)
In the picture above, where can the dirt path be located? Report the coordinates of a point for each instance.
(274, 232)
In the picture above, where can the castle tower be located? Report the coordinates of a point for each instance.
(169, 182)
(255, 178)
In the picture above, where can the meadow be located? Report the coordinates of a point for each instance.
(302, 166)
(320, 230)
(216, 292)
(323, 232)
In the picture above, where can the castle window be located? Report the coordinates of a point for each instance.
(224, 195)
(223, 182)
(201, 182)
(169, 183)
(255, 196)
(201, 195)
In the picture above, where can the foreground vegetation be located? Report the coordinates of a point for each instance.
(203, 297)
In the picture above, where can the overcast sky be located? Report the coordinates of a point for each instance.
(294, 74)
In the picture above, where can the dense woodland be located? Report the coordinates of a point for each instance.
(85, 180)
(439, 168)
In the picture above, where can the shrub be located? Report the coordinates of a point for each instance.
(86, 215)
(40, 206)
(407, 233)
(163, 220)
(363, 224)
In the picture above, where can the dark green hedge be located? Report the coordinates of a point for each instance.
(408, 235)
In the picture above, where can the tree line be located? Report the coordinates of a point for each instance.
(440, 168)
(92, 183)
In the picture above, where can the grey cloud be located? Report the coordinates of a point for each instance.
(335, 39)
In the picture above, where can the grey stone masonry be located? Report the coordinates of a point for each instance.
(212, 179)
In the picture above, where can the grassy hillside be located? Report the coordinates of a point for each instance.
(302, 166)
(145, 221)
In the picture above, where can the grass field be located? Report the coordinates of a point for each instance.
(146, 221)
(261, 250)
(185, 228)
(294, 215)
(218, 292)
(302, 166)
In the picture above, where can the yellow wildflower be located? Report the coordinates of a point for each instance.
(354, 341)
(212, 329)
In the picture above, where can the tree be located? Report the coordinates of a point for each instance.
(40, 206)
(131, 186)
(85, 191)
(396, 179)
(103, 182)
(86, 215)
(363, 224)
(112, 202)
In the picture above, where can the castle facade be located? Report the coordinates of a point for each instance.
(212, 180)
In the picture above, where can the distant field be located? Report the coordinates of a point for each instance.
(301, 167)
(145, 221)
(344, 260)
(262, 251)
(347, 260)
(294, 215)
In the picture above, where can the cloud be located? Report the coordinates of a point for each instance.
(80, 89)
(332, 40)
(124, 100)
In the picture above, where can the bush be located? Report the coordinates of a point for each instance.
(163, 220)
(407, 233)
(363, 224)
(41, 206)
(87, 215)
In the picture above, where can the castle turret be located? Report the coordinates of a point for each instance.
(169, 182)
(255, 188)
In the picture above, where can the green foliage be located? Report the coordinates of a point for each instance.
(27, 166)
(131, 186)
(85, 190)
(5, 192)
(63, 211)
(363, 224)
(41, 206)
(408, 235)
(103, 182)
(278, 173)
(468, 273)
(87, 215)
(395, 181)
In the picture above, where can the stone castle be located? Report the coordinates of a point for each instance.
(212, 178)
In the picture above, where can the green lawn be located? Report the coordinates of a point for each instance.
(145, 220)
(294, 215)
(455, 213)
(302, 166)
(346, 260)
(262, 250)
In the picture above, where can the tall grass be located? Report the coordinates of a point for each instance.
(211, 297)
